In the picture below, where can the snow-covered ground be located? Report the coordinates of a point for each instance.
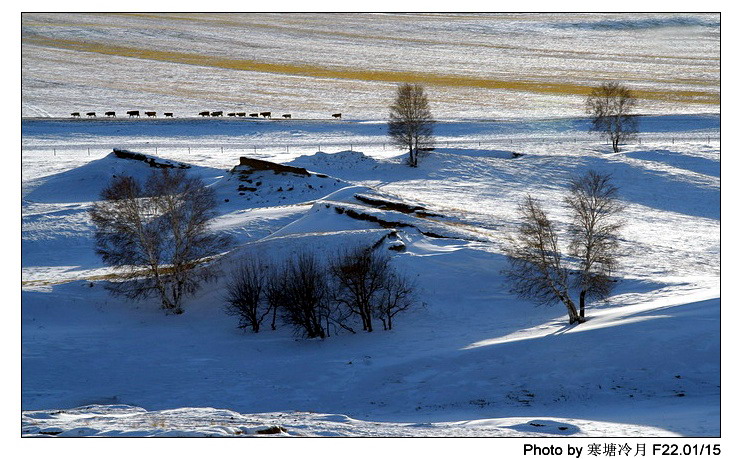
(473, 361)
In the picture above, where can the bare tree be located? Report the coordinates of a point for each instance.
(536, 270)
(305, 299)
(594, 232)
(410, 120)
(274, 294)
(398, 294)
(245, 295)
(360, 274)
(610, 106)
(156, 236)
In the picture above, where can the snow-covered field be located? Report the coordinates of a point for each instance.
(313, 65)
(473, 360)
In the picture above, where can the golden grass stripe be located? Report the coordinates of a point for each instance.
(225, 20)
(389, 76)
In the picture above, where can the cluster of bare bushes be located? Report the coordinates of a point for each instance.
(350, 292)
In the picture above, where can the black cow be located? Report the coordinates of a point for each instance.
(91, 114)
(231, 114)
(75, 114)
(151, 114)
(265, 114)
(219, 113)
(240, 113)
(287, 115)
(168, 114)
(133, 113)
(253, 115)
(113, 114)
(204, 113)
(337, 115)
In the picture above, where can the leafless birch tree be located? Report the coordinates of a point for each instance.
(411, 121)
(157, 236)
(610, 106)
(536, 270)
(594, 232)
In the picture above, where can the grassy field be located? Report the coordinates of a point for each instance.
(698, 97)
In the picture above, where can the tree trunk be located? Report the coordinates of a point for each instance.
(168, 305)
(582, 304)
(571, 310)
(367, 318)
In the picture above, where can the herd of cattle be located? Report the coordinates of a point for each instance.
(135, 114)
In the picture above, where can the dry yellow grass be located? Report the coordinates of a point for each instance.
(114, 276)
(685, 96)
(45, 282)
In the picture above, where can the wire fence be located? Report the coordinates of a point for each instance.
(361, 145)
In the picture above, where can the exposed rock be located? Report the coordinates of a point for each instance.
(152, 162)
(388, 205)
(272, 430)
(385, 204)
(261, 165)
(371, 218)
